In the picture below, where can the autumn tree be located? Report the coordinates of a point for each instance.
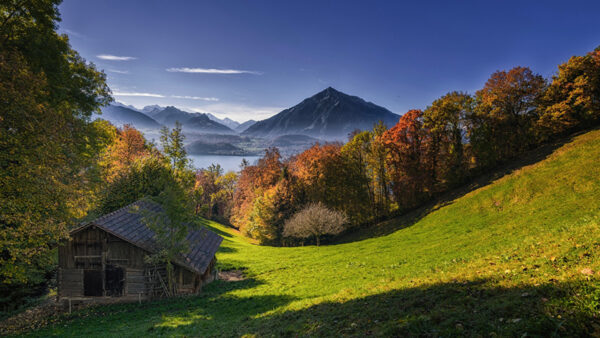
(129, 144)
(217, 192)
(502, 122)
(445, 121)
(315, 220)
(327, 175)
(573, 97)
(407, 144)
(255, 197)
(47, 142)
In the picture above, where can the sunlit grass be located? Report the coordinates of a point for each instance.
(519, 255)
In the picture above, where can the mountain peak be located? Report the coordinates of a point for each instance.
(328, 115)
(329, 91)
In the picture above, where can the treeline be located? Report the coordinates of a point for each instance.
(382, 172)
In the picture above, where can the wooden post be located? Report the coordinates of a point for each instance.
(69, 305)
(104, 248)
(140, 298)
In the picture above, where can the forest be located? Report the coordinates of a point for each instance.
(58, 167)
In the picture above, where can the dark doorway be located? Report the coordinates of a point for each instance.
(92, 283)
(114, 280)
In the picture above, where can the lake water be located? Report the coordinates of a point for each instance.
(228, 163)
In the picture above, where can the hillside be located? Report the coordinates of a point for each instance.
(329, 115)
(519, 255)
(120, 115)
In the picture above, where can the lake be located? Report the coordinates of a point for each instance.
(227, 162)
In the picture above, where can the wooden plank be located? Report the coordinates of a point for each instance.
(136, 279)
(135, 270)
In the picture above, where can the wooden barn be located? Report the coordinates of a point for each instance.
(104, 259)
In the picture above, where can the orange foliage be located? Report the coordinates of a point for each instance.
(407, 143)
(128, 146)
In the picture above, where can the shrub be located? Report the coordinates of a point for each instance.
(315, 220)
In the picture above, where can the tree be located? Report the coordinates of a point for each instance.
(47, 143)
(129, 145)
(325, 174)
(146, 177)
(218, 191)
(445, 120)
(315, 220)
(171, 226)
(573, 97)
(172, 143)
(256, 198)
(407, 144)
(377, 163)
(506, 107)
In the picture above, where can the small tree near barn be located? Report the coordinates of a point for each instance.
(315, 220)
(171, 228)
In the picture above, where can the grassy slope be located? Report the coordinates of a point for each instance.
(508, 258)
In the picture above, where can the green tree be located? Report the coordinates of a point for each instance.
(171, 226)
(173, 147)
(146, 177)
(445, 120)
(47, 144)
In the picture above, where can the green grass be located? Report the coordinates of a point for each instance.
(508, 258)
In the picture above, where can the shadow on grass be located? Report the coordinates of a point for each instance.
(450, 309)
(227, 249)
(411, 217)
(206, 223)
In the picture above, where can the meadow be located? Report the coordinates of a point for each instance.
(518, 255)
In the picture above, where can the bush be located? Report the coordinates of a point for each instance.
(315, 220)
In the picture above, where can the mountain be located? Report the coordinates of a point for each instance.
(329, 115)
(226, 121)
(152, 110)
(191, 121)
(120, 115)
(242, 127)
(119, 104)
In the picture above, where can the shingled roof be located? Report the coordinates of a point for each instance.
(126, 224)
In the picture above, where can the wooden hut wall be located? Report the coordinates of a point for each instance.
(95, 249)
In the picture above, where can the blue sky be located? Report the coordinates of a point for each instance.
(251, 59)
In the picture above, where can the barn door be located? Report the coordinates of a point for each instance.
(114, 280)
(92, 283)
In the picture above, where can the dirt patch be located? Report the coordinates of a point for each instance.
(231, 275)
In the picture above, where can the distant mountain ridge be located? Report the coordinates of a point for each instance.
(120, 115)
(191, 121)
(328, 115)
(226, 121)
